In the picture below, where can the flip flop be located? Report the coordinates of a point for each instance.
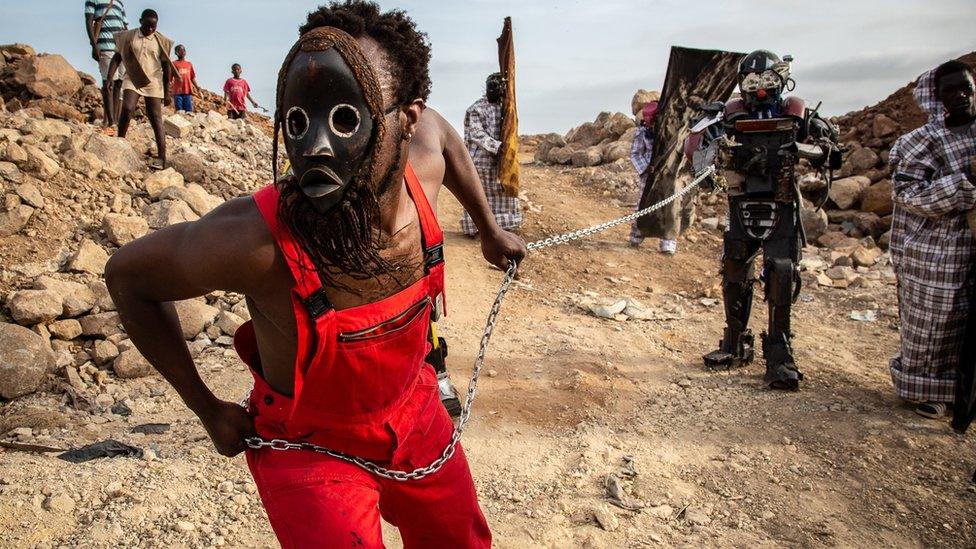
(108, 130)
(931, 410)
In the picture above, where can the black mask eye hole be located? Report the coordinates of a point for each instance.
(296, 123)
(344, 120)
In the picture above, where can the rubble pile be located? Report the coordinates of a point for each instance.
(71, 197)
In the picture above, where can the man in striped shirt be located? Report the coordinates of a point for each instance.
(106, 18)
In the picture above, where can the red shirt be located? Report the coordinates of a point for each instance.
(237, 90)
(187, 74)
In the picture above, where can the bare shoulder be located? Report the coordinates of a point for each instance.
(430, 131)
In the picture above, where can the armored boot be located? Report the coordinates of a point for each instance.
(735, 349)
(781, 370)
(449, 395)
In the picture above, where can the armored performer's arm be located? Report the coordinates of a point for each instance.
(918, 189)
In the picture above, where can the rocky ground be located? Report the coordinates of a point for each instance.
(596, 425)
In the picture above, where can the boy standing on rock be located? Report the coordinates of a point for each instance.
(236, 90)
(184, 82)
(341, 263)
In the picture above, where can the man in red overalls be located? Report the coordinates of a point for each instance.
(342, 265)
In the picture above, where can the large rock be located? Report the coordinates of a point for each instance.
(847, 192)
(40, 163)
(195, 196)
(862, 160)
(15, 219)
(618, 124)
(590, 156)
(84, 163)
(641, 97)
(122, 229)
(25, 359)
(48, 76)
(9, 171)
(101, 325)
(190, 164)
(48, 129)
(156, 182)
(90, 258)
(561, 155)
(877, 198)
(588, 134)
(228, 322)
(131, 364)
(53, 108)
(168, 212)
(17, 50)
(549, 142)
(29, 307)
(175, 125)
(869, 224)
(882, 126)
(866, 257)
(615, 151)
(29, 193)
(814, 223)
(116, 153)
(66, 329)
(195, 316)
(76, 298)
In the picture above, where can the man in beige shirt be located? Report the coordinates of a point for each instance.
(145, 55)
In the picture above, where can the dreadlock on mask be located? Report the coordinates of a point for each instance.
(344, 240)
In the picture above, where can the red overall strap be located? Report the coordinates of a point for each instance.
(433, 241)
(307, 280)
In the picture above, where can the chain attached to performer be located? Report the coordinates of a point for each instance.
(757, 141)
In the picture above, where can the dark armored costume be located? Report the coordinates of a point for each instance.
(757, 142)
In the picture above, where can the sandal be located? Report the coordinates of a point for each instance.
(156, 165)
(931, 410)
(108, 130)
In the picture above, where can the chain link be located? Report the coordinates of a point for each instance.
(449, 450)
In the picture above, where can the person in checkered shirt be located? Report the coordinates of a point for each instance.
(482, 135)
(933, 250)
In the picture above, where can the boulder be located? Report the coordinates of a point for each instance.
(641, 97)
(29, 193)
(25, 359)
(587, 134)
(814, 222)
(76, 299)
(29, 307)
(47, 76)
(101, 325)
(175, 125)
(836, 239)
(862, 160)
(9, 171)
(103, 300)
(66, 330)
(104, 352)
(156, 182)
(616, 150)
(190, 165)
(168, 212)
(877, 198)
(15, 219)
(195, 316)
(84, 163)
(17, 50)
(866, 257)
(869, 224)
(122, 229)
(90, 258)
(116, 153)
(882, 126)
(618, 124)
(228, 322)
(53, 108)
(40, 163)
(130, 364)
(46, 129)
(847, 192)
(548, 142)
(561, 155)
(195, 196)
(590, 156)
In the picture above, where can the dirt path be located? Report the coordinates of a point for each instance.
(567, 399)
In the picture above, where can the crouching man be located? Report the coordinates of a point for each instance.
(341, 263)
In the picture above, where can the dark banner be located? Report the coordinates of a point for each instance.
(508, 161)
(694, 77)
(965, 405)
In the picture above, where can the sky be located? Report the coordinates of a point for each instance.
(574, 58)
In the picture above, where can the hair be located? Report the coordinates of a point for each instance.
(951, 67)
(407, 49)
(235, 65)
(149, 13)
(180, 46)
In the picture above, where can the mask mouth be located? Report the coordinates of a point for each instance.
(319, 181)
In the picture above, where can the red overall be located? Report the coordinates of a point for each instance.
(362, 388)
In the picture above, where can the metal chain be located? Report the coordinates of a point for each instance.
(449, 450)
